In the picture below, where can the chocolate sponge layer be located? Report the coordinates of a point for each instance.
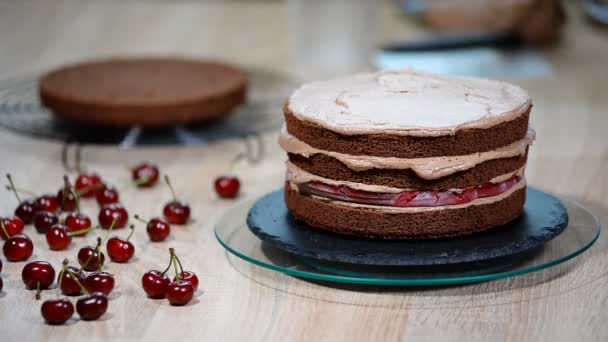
(328, 167)
(372, 223)
(465, 141)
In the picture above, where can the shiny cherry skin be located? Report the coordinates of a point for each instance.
(107, 195)
(26, 211)
(38, 273)
(18, 248)
(158, 229)
(47, 203)
(57, 311)
(13, 225)
(44, 220)
(145, 175)
(85, 253)
(119, 250)
(189, 277)
(69, 286)
(76, 222)
(180, 292)
(57, 237)
(177, 212)
(99, 282)
(227, 186)
(88, 184)
(155, 284)
(111, 212)
(67, 201)
(92, 307)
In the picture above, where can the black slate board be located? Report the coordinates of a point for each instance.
(544, 218)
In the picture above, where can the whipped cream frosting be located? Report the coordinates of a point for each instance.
(426, 168)
(296, 175)
(407, 102)
(479, 201)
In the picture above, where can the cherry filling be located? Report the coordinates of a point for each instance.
(425, 198)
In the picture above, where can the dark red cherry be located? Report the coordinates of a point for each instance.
(91, 258)
(68, 285)
(189, 277)
(66, 200)
(26, 211)
(44, 220)
(111, 212)
(107, 195)
(157, 228)
(18, 248)
(88, 184)
(57, 237)
(92, 306)
(38, 275)
(120, 250)
(47, 203)
(145, 175)
(99, 282)
(175, 212)
(76, 222)
(180, 292)
(57, 311)
(227, 186)
(155, 284)
(13, 225)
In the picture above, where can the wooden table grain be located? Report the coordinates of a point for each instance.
(238, 301)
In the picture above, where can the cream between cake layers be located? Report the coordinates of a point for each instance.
(404, 154)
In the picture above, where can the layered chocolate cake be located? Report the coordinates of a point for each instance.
(406, 155)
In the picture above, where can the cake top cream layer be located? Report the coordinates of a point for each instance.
(407, 102)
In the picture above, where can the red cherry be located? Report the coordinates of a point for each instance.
(66, 200)
(76, 222)
(189, 277)
(18, 248)
(44, 220)
(180, 292)
(145, 175)
(13, 225)
(91, 258)
(26, 211)
(92, 306)
(107, 195)
(227, 186)
(113, 212)
(99, 282)
(88, 184)
(157, 228)
(38, 275)
(57, 237)
(120, 250)
(47, 203)
(155, 284)
(57, 311)
(175, 212)
(68, 285)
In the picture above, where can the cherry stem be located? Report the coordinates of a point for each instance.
(98, 249)
(4, 228)
(132, 227)
(67, 187)
(63, 268)
(23, 191)
(38, 290)
(76, 198)
(75, 278)
(10, 180)
(142, 180)
(170, 262)
(178, 262)
(138, 218)
(175, 268)
(109, 230)
(170, 187)
(82, 231)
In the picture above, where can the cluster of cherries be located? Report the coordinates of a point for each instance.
(180, 291)
(44, 213)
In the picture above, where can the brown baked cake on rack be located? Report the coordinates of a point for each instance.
(406, 155)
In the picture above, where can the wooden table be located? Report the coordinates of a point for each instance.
(242, 302)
